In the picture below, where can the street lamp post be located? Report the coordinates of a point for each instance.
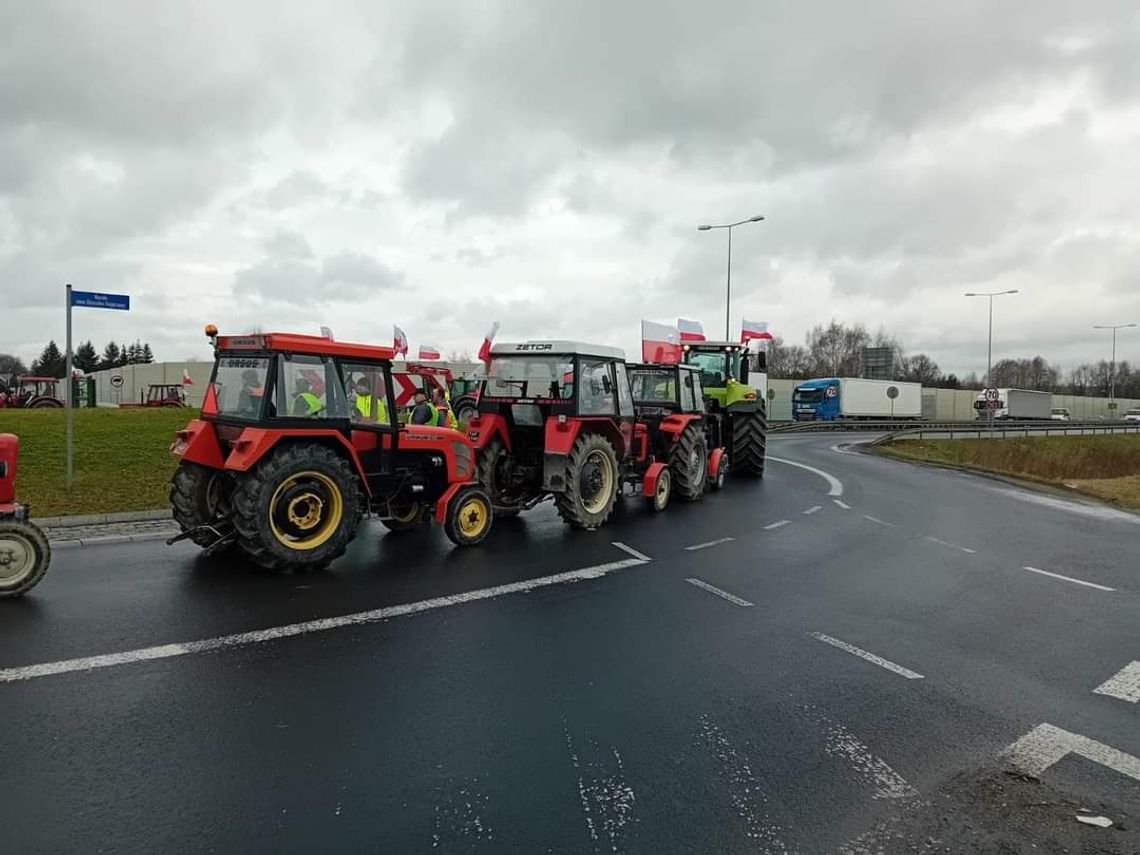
(728, 288)
(1112, 365)
(990, 346)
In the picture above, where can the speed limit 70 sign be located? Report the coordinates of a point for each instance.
(990, 394)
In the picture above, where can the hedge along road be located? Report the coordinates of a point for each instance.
(632, 709)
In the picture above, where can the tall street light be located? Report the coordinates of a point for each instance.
(990, 348)
(728, 289)
(1112, 369)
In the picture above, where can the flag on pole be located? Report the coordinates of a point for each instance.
(690, 330)
(485, 348)
(750, 330)
(399, 341)
(429, 352)
(187, 380)
(660, 343)
(326, 332)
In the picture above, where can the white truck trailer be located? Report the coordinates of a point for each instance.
(1017, 404)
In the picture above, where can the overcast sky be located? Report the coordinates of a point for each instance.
(545, 164)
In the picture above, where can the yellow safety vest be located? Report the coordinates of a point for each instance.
(364, 405)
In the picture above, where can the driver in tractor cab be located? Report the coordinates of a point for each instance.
(305, 403)
(364, 403)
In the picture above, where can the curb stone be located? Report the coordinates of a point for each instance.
(100, 519)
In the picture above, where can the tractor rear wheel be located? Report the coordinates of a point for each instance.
(24, 557)
(688, 460)
(404, 518)
(468, 517)
(749, 441)
(45, 403)
(298, 508)
(197, 498)
(494, 472)
(464, 408)
(592, 483)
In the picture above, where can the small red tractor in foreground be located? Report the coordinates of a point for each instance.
(669, 402)
(30, 392)
(24, 551)
(556, 418)
(298, 438)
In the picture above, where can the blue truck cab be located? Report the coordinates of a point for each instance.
(816, 400)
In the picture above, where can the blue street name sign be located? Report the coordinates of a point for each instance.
(95, 300)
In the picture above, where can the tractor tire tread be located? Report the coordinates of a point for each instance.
(689, 483)
(41, 545)
(568, 502)
(186, 487)
(749, 442)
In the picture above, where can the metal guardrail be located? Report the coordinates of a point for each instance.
(899, 425)
(961, 430)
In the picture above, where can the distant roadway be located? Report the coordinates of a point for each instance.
(854, 655)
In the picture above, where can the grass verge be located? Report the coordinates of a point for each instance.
(122, 459)
(1107, 467)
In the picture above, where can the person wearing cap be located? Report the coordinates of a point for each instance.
(444, 415)
(305, 403)
(424, 413)
(363, 401)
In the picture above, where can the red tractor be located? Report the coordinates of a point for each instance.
(30, 392)
(24, 551)
(669, 401)
(298, 438)
(160, 395)
(556, 418)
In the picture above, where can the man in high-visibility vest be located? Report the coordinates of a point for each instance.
(423, 413)
(305, 403)
(442, 403)
(364, 403)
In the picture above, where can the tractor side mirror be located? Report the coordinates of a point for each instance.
(745, 360)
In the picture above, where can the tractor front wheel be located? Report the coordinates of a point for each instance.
(197, 498)
(468, 517)
(592, 483)
(662, 491)
(298, 508)
(688, 459)
(749, 441)
(24, 557)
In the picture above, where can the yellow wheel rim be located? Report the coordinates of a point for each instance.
(306, 510)
(605, 475)
(662, 491)
(472, 517)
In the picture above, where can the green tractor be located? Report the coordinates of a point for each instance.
(738, 411)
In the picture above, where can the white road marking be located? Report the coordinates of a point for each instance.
(1045, 745)
(1125, 684)
(870, 657)
(607, 800)
(843, 505)
(709, 543)
(873, 770)
(813, 509)
(1101, 512)
(714, 590)
(952, 545)
(260, 636)
(834, 484)
(631, 551)
(1069, 579)
(775, 525)
(877, 520)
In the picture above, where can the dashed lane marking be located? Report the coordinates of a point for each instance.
(1069, 579)
(870, 657)
(260, 636)
(1125, 684)
(877, 520)
(776, 525)
(835, 486)
(952, 545)
(631, 551)
(813, 509)
(1046, 744)
(709, 543)
(705, 586)
(841, 504)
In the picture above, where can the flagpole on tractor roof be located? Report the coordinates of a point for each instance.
(728, 288)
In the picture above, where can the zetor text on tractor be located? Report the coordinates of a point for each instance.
(298, 438)
(556, 419)
(670, 403)
(738, 412)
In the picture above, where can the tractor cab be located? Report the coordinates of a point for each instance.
(556, 418)
(298, 437)
(30, 391)
(165, 395)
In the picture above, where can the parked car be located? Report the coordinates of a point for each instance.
(1132, 415)
(1060, 414)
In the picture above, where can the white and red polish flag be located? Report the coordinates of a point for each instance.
(429, 352)
(750, 330)
(187, 380)
(485, 348)
(690, 330)
(399, 341)
(660, 343)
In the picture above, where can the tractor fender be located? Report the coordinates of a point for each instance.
(444, 501)
(649, 480)
(484, 428)
(198, 443)
(714, 461)
(676, 423)
(255, 443)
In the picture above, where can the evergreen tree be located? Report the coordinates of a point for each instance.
(147, 355)
(111, 356)
(85, 358)
(51, 362)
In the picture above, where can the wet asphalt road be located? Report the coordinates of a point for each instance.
(637, 709)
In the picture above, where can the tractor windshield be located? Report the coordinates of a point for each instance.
(530, 377)
(656, 386)
(716, 367)
(239, 384)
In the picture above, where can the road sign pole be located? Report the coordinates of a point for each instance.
(67, 396)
